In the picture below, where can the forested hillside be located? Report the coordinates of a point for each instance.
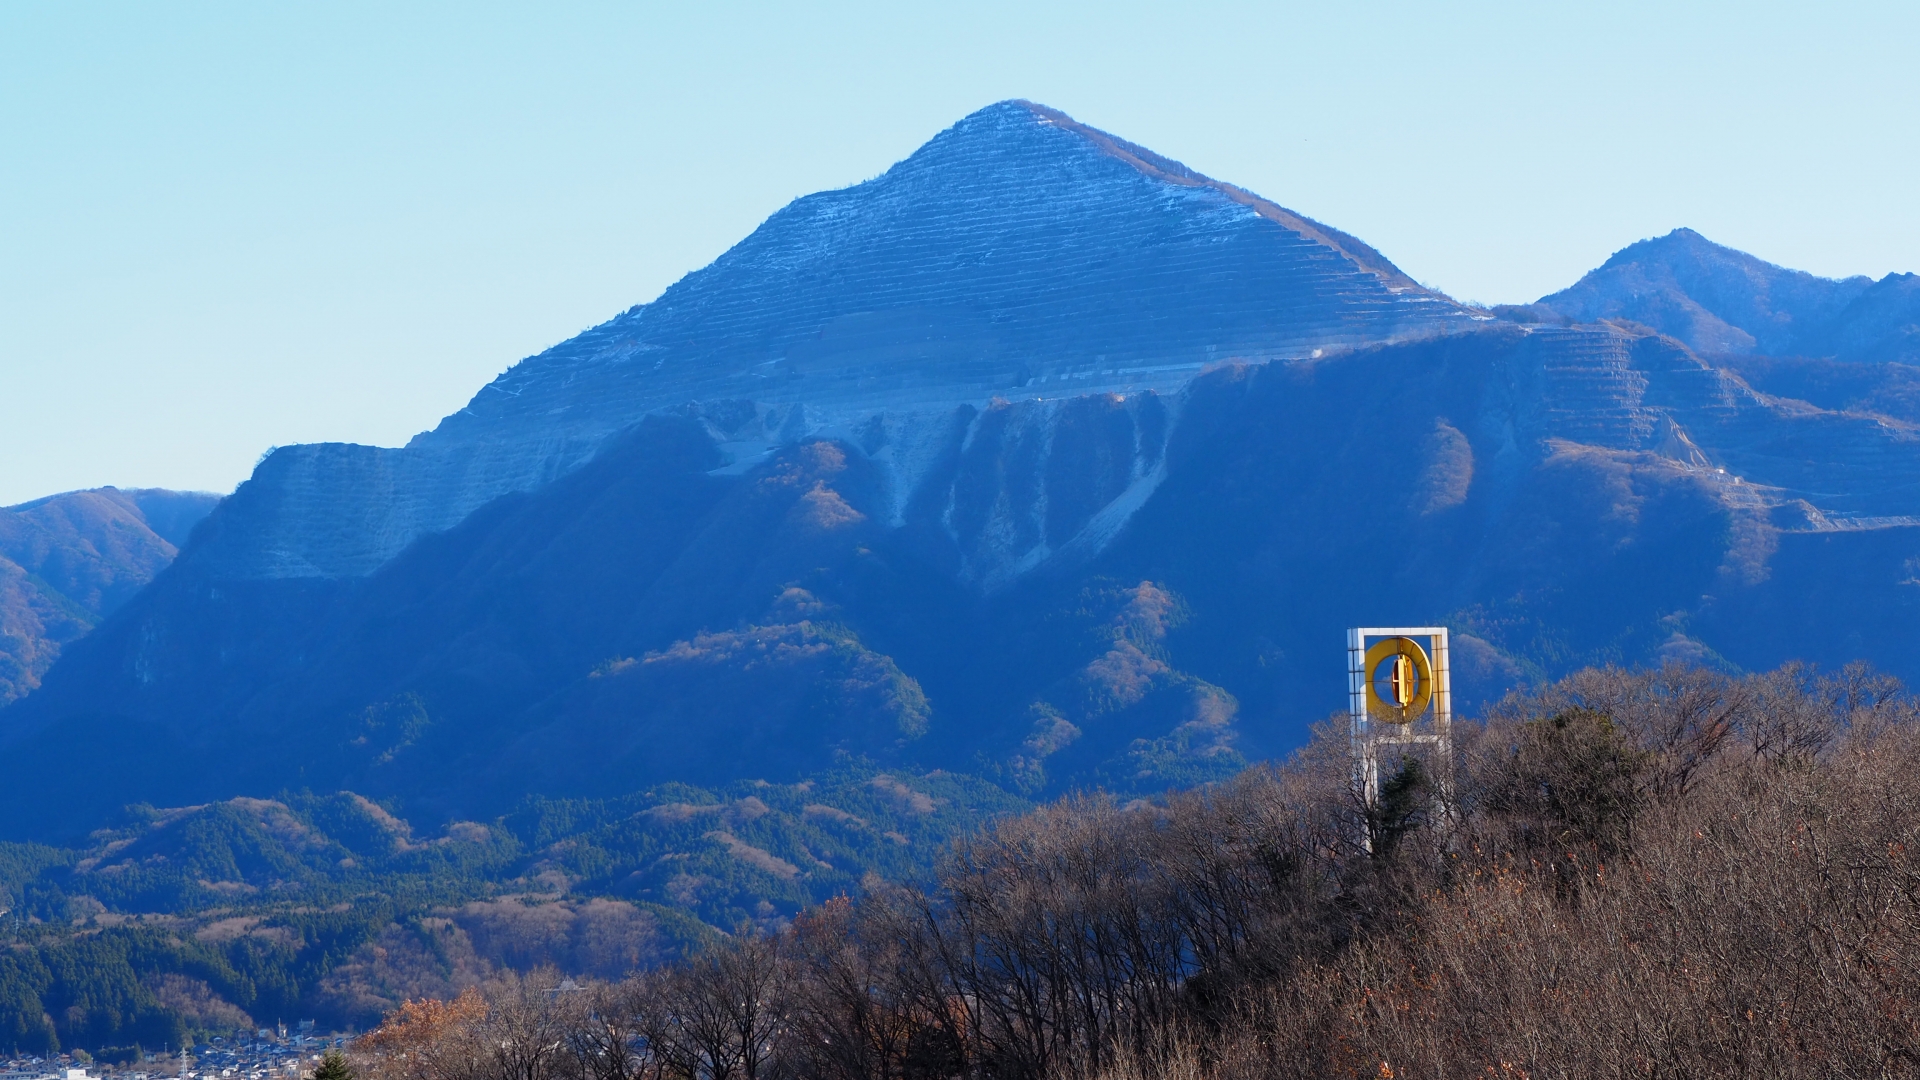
(227, 915)
(1639, 874)
(1659, 871)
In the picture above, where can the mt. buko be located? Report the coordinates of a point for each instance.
(1039, 457)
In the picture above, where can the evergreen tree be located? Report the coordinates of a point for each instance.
(333, 1067)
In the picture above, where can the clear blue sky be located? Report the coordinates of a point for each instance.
(229, 226)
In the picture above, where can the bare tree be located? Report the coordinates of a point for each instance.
(607, 1035)
(425, 1040)
(1667, 873)
(527, 1028)
(722, 1014)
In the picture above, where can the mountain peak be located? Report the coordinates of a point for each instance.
(1018, 218)
(1686, 244)
(1018, 113)
(1017, 255)
(1715, 298)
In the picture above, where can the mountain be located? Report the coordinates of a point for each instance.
(1714, 298)
(1555, 495)
(1722, 301)
(1881, 325)
(1039, 458)
(329, 907)
(69, 559)
(1017, 254)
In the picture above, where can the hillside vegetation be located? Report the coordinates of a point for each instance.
(1654, 873)
(199, 920)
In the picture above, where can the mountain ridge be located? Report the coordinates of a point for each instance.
(1881, 325)
(1563, 496)
(68, 560)
(1714, 298)
(1038, 458)
(1358, 250)
(1722, 301)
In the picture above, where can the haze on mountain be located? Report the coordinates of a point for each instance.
(1850, 345)
(1039, 457)
(67, 561)
(1718, 300)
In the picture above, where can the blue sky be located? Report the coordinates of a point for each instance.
(225, 227)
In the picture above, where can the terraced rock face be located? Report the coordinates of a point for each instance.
(1637, 392)
(1017, 255)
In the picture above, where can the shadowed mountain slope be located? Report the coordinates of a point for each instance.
(66, 560)
(1881, 325)
(1558, 496)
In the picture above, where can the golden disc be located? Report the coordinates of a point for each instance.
(1394, 648)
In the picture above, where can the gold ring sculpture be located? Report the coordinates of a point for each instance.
(1410, 682)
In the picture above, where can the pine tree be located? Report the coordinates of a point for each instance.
(333, 1067)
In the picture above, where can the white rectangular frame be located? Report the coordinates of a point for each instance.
(1434, 729)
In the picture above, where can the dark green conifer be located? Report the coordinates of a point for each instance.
(334, 1066)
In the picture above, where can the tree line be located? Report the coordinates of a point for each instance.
(180, 924)
(104, 989)
(1671, 872)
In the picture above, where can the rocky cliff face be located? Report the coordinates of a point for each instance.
(1018, 255)
(67, 560)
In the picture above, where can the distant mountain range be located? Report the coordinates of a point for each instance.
(1850, 345)
(1040, 458)
(318, 906)
(67, 561)
(1713, 298)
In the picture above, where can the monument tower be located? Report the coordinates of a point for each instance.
(1399, 694)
